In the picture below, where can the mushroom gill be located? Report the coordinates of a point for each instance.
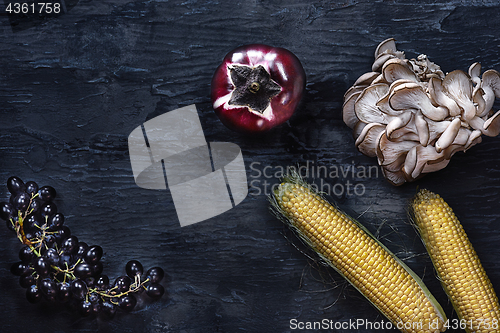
(413, 117)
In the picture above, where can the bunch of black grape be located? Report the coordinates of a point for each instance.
(55, 266)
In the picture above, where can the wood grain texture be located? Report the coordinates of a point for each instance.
(72, 88)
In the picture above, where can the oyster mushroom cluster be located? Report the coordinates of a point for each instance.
(412, 117)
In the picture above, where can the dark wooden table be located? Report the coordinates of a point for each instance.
(74, 86)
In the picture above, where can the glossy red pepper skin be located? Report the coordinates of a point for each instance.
(284, 69)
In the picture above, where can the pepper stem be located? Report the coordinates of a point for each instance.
(254, 87)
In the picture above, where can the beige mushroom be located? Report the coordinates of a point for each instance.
(425, 155)
(439, 97)
(366, 79)
(432, 166)
(386, 46)
(448, 136)
(413, 118)
(383, 102)
(395, 178)
(411, 96)
(491, 88)
(422, 129)
(368, 138)
(478, 92)
(458, 86)
(425, 69)
(348, 114)
(474, 73)
(388, 151)
(353, 90)
(479, 102)
(492, 125)
(397, 123)
(381, 60)
(397, 69)
(366, 104)
(474, 138)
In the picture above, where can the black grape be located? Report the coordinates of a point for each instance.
(79, 288)
(48, 289)
(47, 193)
(63, 292)
(19, 268)
(94, 254)
(56, 221)
(52, 256)
(82, 250)
(33, 295)
(155, 290)
(31, 187)
(48, 209)
(155, 274)
(134, 268)
(21, 201)
(15, 185)
(7, 211)
(85, 308)
(122, 284)
(26, 254)
(27, 279)
(83, 270)
(97, 269)
(127, 302)
(34, 222)
(42, 266)
(62, 233)
(70, 245)
(102, 282)
(65, 261)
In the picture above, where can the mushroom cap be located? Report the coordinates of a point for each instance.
(365, 106)
(439, 97)
(423, 131)
(397, 69)
(475, 72)
(411, 96)
(366, 79)
(448, 136)
(386, 46)
(397, 123)
(492, 125)
(348, 115)
(368, 138)
(458, 86)
(388, 151)
(353, 90)
(491, 88)
(477, 98)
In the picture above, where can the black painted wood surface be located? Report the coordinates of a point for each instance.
(73, 87)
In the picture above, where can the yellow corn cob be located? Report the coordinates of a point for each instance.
(457, 265)
(355, 253)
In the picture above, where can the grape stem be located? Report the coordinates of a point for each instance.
(111, 293)
(19, 225)
(68, 272)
